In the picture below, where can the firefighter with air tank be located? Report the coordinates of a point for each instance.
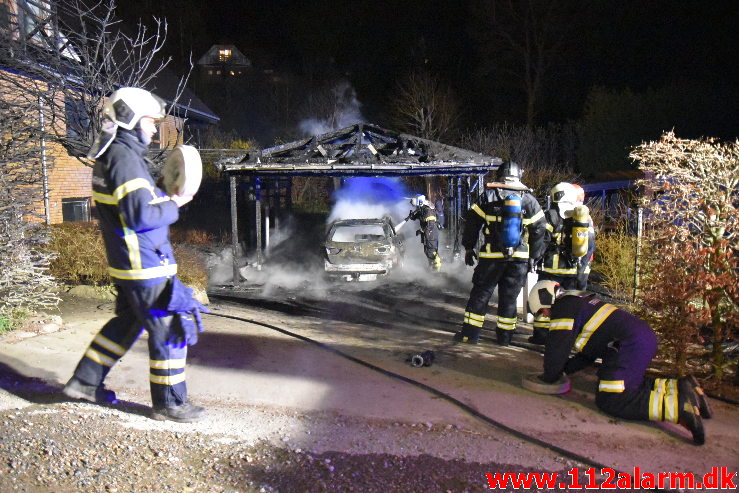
(513, 226)
(425, 214)
(570, 243)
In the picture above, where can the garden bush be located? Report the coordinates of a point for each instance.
(81, 256)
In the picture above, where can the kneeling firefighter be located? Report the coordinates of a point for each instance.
(626, 345)
(425, 214)
(569, 245)
(135, 215)
(513, 226)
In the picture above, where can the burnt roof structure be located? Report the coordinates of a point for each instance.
(362, 149)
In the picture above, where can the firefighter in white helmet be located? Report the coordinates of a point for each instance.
(425, 214)
(595, 329)
(135, 216)
(570, 244)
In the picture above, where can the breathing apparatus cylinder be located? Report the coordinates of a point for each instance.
(580, 225)
(511, 220)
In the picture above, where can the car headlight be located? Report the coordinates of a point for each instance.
(333, 251)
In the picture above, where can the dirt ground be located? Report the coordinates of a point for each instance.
(308, 388)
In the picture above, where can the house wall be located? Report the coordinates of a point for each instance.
(68, 177)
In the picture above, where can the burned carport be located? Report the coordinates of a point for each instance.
(358, 150)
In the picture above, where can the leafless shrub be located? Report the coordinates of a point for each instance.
(426, 107)
(71, 55)
(25, 284)
(691, 201)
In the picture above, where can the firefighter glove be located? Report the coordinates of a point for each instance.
(186, 310)
(436, 262)
(184, 330)
(469, 257)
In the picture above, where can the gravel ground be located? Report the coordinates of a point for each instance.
(69, 447)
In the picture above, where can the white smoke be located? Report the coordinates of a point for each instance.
(343, 107)
(350, 209)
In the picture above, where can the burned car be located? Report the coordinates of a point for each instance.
(362, 249)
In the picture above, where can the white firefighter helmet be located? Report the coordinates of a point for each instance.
(126, 106)
(579, 194)
(419, 200)
(542, 295)
(563, 192)
(564, 195)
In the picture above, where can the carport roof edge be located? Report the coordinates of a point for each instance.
(361, 149)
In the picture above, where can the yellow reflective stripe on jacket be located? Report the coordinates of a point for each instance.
(167, 379)
(549, 227)
(501, 255)
(130, 186)
(167, 364)
(539, 215)
(103, 198)
(124, 190)
(168, 270)
(592, 325)
(482, 214)
(111, 346)
(132, 245)
(616, 386)
(561, 323)
(551, 270)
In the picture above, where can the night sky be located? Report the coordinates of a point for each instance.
(625, 44)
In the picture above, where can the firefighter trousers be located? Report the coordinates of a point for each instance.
(624, 390)
(138, 308)
(509, 278)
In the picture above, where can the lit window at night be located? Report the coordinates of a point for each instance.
(224, 55)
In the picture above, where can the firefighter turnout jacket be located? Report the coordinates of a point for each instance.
(134, 214)
(625, 343)
(558, 260)
(488, 214)
(426, 216)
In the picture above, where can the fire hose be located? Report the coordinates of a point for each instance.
(436, 392)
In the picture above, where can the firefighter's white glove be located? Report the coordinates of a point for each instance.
(181, 200)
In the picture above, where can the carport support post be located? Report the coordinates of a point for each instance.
(234, 231)
(258, 219)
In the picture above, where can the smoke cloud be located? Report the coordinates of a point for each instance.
(342, 106)
(370, 197)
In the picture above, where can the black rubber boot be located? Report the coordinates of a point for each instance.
(690, 416)
(703, 404)
(75, 389)
(466, 337)
(539, 337)
(504, 337)
(185, 413)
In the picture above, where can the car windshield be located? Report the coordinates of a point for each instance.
(358, 232)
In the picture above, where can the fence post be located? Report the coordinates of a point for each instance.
(234, 231)
(639, 218)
